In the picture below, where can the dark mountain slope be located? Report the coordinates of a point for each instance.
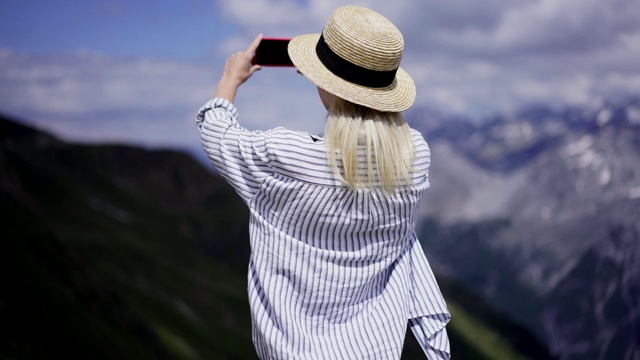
(134, 267)
(51, 297)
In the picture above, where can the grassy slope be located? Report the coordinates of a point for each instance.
(117, 252)
(124, 259)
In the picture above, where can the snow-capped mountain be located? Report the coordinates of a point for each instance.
(529, 199)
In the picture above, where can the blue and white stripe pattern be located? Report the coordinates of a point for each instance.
(334, 273)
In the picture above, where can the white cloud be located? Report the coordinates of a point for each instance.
(466, 56)
(496, 55)
(266, 14)
(94, 97)
(280, 97)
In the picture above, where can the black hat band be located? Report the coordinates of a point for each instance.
(351, 72)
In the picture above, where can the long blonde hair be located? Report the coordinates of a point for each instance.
(367, 148)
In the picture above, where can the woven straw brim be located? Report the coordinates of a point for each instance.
(398, 96)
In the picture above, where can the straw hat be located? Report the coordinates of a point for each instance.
(357, 57)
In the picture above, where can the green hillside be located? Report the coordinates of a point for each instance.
(118, 252)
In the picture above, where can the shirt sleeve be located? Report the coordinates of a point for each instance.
(238, 154)
(428, 314)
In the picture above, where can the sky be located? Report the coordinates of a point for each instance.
(138, 71)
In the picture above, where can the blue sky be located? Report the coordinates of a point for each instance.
(137, 72)
(178, 29)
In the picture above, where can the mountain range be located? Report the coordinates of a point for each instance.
(539, 213)
(532, 225)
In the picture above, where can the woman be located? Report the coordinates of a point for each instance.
(336, 270)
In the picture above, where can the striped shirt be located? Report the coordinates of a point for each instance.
(334, 273)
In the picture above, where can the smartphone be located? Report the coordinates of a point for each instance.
(272, 52)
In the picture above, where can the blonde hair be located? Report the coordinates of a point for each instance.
(367, 148)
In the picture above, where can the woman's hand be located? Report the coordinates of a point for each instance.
(237, 70)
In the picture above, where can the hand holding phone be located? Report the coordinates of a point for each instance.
(272, 52)
(237, 70)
